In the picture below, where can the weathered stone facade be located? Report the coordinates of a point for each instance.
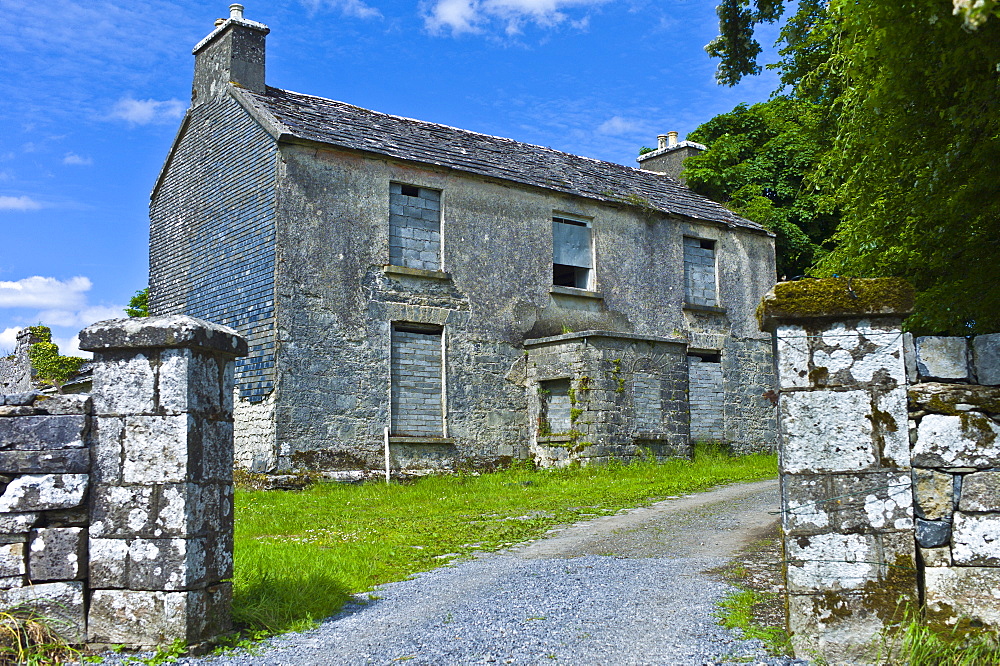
(887, 477)
(116, 508)
(327, 233)
(15, 370)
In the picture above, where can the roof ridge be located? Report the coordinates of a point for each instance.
(468, 131)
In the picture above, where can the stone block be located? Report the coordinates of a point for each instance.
(166, 331)
(858, 354)
(62, 603)
(58, 553)
(933, 533)
(980, 492)
(10, 582)
(168, 510)
(145, 618)
(792, 357)
(935, 557)
(859, 502)
(157, 449)
(125, 383)
(827, 431)
(956, 596)
(17, 523)
(21, 399)
(842, 628)
(43, 433)
(986, 358)
(942, 357)
(975, 540)
(216, 460)
(78, 403)
(891, 428)
(954, 399)
(43, 492)
(910, 358)
(850, 562)
(61, 461)
(966, 440)
(12, 559)
(933, 494)
(160, 564)
(191, 382)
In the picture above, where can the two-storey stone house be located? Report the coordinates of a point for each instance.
(440, 295)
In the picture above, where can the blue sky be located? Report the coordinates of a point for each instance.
(91, 94)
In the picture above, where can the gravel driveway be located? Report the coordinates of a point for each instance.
(624, 589)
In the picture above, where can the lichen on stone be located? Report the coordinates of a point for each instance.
(835, 297)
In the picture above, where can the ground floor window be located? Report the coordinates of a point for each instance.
(417, 381)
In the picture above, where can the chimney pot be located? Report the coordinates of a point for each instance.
(236, 11)
(219, 22)
(662, 139)
(671, 139)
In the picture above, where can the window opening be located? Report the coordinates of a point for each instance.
(417, 381)
(556, 407)
(414, 227)
(572, 253)
(699, 272)
(706, 397)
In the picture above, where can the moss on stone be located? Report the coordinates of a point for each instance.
(835, 297)
(945, 398)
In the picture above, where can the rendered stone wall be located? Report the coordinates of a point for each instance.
(627, 396)
(116, 510)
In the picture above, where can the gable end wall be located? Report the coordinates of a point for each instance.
(211, 240)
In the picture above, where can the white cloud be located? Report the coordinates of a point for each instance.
(616, 126)
(8, 340)
(18, 204)
(147, 111)
(81, 318)
(74, 159)
(71, 346)
(45, 292)
(458, 16)
(355, 8)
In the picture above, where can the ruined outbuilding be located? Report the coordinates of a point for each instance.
(436, 295)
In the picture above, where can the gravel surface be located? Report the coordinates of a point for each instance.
(623, 589)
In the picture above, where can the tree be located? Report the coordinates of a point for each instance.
(914, 99)
(49, 366)
(756, 162)
(138, 306)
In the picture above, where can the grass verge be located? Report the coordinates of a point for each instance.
(915, 644)
(300, 555)
(757, 607)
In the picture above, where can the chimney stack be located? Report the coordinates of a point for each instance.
(233, 53)
(661, 142)
(669, 156)
(671, 139)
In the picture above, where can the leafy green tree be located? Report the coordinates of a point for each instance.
(912, 94)
(49, 366)
(138, 306)
(757, 159)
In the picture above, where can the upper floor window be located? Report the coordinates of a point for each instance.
(699, 272)
(572, 252)
(414, 227)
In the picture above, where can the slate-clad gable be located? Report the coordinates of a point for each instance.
(336, 123)
(211, 249)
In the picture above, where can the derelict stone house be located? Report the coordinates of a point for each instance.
(478, 297)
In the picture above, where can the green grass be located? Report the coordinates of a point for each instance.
(736, 612)
(299, 555)
(918, 645)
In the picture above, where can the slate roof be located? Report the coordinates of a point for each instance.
(339, 124)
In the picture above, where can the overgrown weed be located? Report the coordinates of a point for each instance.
(916, 644)
(301, 555)
(29, 638)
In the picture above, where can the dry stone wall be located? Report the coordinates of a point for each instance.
(889, 467)
(116, 508)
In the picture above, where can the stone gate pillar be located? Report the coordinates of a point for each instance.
(844, 461)
(161, 534)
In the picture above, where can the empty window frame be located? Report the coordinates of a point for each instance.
(572, 252)
(417, 381)
(699, 272)
(414, 227)
(556, 406)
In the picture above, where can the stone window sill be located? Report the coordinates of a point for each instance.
(704, 308)
(554, 439)
(402, 439)
(416, 272)
(573, 291)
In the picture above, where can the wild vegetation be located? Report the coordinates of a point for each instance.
(300, 555)
(49, 365)
(876, 156)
